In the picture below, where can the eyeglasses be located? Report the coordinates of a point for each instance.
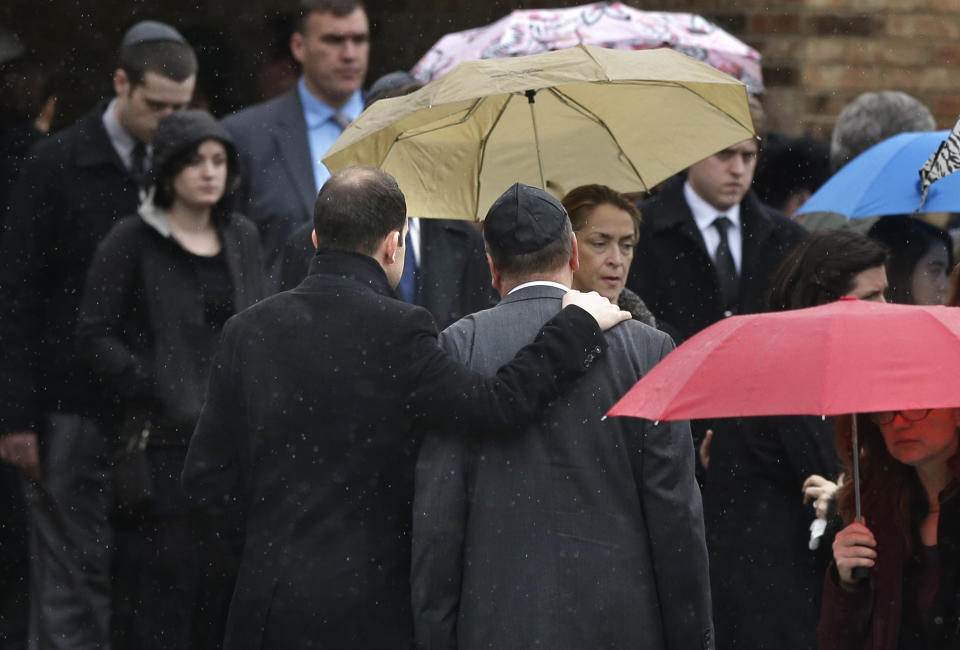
(910, 415)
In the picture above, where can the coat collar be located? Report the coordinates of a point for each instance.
(534, 292)
(93, 144)
(357, 267)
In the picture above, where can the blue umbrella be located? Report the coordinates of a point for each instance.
(885, 179)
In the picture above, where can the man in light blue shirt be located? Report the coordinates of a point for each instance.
(324, 126)
(282, 141)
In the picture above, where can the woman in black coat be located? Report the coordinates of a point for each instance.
(160, 288)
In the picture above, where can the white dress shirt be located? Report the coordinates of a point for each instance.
(704, 215)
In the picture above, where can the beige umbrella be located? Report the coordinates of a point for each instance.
(627, 119)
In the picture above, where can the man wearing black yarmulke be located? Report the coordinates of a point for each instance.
(73, 188)
(582, 532)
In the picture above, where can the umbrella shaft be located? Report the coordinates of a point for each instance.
(536, 136)
(856, 467)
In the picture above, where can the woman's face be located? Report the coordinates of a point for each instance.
(930, 440)
(870, 284)
(202, 182)
(606, 244)
(931, 280)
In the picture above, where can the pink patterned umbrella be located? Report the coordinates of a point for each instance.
(606, 24)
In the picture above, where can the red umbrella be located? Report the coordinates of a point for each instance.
(849, 356)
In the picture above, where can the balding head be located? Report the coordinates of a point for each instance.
(356, 209)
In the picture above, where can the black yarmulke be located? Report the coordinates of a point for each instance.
(523, 220)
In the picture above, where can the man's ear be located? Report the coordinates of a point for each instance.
(297, 47)
(121, 83)
(313, 236)
(496, 280)
(392, 245)
(574, 253)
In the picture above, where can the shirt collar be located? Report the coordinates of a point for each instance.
(121, 140)
(539, 283)
(316, 112)
(704, 213)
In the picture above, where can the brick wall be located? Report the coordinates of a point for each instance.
(818, 54)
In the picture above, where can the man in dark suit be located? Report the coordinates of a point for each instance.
(583, 532)
(281, 141)
(709, 247)
(74, 187)
(309, 425)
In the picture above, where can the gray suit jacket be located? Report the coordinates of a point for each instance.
(582, 532)
(277, 188)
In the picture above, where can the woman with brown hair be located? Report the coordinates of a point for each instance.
(607, 225)
(909, 537)
(161, 286)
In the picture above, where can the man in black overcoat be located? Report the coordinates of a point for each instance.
(74, 187)
(309, 424)
(690, 275)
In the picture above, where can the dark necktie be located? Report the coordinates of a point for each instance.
(138, 165)
(726, 269)
(408, 281)
(341, 120)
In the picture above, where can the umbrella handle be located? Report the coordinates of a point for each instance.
(856, 467)
(860, 572)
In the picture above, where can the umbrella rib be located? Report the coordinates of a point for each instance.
(482, 152)
(680, 86)
(583, 110)
(416, 133)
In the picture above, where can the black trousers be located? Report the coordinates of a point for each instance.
(174, 567)
(13, 561)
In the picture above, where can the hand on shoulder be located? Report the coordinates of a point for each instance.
(604, 312)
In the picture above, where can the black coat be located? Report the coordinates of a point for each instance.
(69, 194)
(453, 277)
(766, 581)
(673, 273)
(142, 328)
(143, 334)
(309, 425)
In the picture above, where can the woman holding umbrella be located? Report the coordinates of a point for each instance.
(909, 536)
(160, 288)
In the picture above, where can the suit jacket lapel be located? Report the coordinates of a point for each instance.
(294, 146)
